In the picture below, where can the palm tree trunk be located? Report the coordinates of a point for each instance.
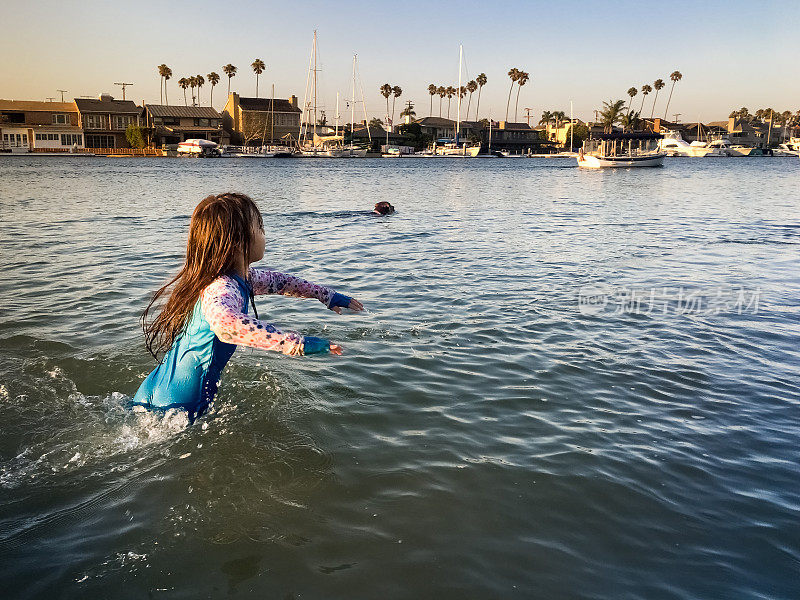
(516, 105)
(166, 96)
(431, 105)
(256, 85)
(161, 88)
(229, 85)
(669, 100)
(468, 103)
(393, 99)
(448, 107)
(508, 104)
(185, 102)
(653, 110)
(641, 108)
(478, 105)
(211, 102)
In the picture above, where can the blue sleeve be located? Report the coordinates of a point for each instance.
(339, 300)
(315, 345)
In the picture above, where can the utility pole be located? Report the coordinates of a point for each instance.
(62, 93)
(51, 99)
(528, 115)
(676, 116)
(124, 85)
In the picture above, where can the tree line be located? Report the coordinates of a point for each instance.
(197, 81)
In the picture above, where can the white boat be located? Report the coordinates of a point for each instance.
(199, 148)
(610, 150)
(740, 150)
(673, 144)
(785, 150)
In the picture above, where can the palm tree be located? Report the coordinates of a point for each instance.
(183, 83)
(396, 93)
(558, 117)
(432, 91)
(258, 67)
(386, 91)
(630, 120)
(199, 81)
(646, 89)
(547, 117)
(193, 84)
(513, 74)
(408, 111)
(611, 113)
(472, 85)
(213, 79)
(675, 76)
(631, 92)
(521, 80)
(481, 81)
(450, 91)
(230, 71)
(162, 71)
(659, 85)
(167, 78)
(442, 91)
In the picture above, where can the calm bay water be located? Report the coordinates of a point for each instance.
(569, 384)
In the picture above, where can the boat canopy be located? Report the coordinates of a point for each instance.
(634, 135)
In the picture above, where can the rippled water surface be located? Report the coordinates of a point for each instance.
(569, 384)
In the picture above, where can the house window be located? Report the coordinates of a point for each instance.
(202, 122)
(121, 122)
(60, 119)
(24, 138)
(172, 121)
(100, 141)
(68, 139)
(94, 122)
(39, 137)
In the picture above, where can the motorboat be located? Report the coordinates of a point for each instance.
(456, 149)
(674, 145)
(199, 148)
(716, 147)
(610, 150)
(785, 150)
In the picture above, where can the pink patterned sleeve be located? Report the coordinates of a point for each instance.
(265, 281)
(222, 303)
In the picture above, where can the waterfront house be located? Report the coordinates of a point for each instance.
(249, 120)
(32, 125)
(516, 138)
(176, 124)
(104, 120)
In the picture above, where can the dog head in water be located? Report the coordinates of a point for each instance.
(383, 208)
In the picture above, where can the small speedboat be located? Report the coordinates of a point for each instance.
(199, 148)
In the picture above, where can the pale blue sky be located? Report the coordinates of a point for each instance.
(731, 53)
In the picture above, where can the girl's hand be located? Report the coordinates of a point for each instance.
(336, 349)
(354, 305)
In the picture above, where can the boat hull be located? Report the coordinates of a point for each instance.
(589, 161)
(465, 151)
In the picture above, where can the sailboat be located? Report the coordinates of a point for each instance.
(455, 148)
(350, 152)
(312, 147)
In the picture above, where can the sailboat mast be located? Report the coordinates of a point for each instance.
(272, 118)
(458, 91)
(337, 114)
(314, 140)
(353, 106)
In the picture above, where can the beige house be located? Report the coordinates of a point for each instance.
(27, 125)
(250, 120)
(176, 124)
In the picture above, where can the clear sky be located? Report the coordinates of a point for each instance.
(731, 53)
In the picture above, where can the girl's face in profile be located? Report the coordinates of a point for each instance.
(258, 243)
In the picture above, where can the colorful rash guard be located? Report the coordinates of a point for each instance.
(188, 375)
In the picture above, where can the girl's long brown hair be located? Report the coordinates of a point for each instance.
(221, 227)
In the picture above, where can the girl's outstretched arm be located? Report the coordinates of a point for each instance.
(222, 302)
(265, 281)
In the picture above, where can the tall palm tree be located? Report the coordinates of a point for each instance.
(675, 76)
(521, 80)
(558, 117)
(183, 83)
(442, 91)
(199, 81)
(481, 81)
(432, 91)
(632, 91)
(258, 67)
(162, 71)
(213, 79)
(659, 85)
(167, 77)
(386, 91)
(646, 89)
(513, 74)
(450, 91)
(192, 84)
(630, 120)
(611, 113)
(396, 93)
(472, 85)
(230, 71)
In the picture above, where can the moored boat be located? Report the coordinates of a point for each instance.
(199, 148)
(609, 150)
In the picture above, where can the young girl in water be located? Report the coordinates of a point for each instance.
(205, 317)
